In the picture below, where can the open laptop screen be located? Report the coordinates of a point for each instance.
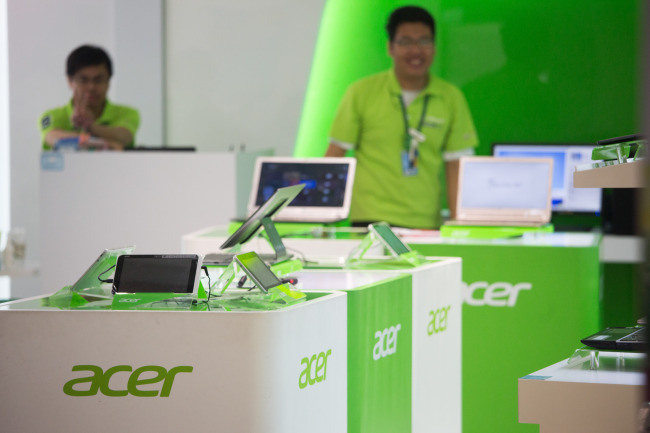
(565, 198)
(328, 186)
(515, 189)
(505, 185)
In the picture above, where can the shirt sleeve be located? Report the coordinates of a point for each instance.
(128, 118)
(346, 127)
(462, 134)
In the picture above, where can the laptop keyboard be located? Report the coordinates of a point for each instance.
(635, 336)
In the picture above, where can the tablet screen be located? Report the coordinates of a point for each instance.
(156, 273)
(258, 271)
(389, 239)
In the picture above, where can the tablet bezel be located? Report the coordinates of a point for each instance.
(193, 272)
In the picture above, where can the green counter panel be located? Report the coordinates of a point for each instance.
(524, 308)
(379, 382)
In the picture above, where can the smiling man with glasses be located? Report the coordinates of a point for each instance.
(406, 127)
(89, 119)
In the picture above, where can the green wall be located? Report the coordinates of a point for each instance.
(532, 70)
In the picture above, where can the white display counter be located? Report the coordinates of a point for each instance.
(428, 313)
(572, 397)
(510, 288)
(436, 322)
(99, 370)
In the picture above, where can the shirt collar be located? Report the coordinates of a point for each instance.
(395, 88)
(70, 107)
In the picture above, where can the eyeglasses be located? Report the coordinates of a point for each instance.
(83, 80)
(408, 42)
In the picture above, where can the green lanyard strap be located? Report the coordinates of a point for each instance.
(407, 138)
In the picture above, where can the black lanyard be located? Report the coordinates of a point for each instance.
(407, 138)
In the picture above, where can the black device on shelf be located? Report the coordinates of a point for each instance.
(618, 338)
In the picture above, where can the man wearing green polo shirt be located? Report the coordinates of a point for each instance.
(402, 125)
(89, 119)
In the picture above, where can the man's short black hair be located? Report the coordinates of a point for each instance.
(409, 14)
(87, 55)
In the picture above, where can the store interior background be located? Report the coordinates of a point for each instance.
(219, 74)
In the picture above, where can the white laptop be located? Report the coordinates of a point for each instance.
(328, 187)
(504, 191)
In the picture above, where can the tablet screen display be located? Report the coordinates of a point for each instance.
(389, 238)
(156, 273)
(258, 271)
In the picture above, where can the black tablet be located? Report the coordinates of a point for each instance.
(165, 273)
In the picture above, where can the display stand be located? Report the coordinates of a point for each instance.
(517, 298)
(519, 312)
(357, 257)
(591, 392)
(200, 370)
(418, 387)
(275, 240)
(618, 162)
(586, 353)
(284, 293)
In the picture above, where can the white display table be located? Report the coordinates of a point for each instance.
(435, 358)
(418, 388)
(99, 370)
(571, 397)
(519, 296)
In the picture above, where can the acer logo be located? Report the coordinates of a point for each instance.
(438, 321)
(386, 343)
(315, 369)
(100, 381)
(499, 294)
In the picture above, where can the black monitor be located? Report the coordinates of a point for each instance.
(262, 217)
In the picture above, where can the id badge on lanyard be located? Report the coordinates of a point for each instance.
(412, 139)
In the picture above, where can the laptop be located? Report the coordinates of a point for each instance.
(328, 187)
(503, 191)
(618, 338)
(566, 199)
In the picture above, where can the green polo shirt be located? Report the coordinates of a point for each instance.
(370, 121)
(113, 115)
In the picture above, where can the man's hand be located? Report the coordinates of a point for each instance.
(86, 141)
(82, 116)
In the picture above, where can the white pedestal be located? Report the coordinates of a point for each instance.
(574, 398)
(436, 403)
(245, 369)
